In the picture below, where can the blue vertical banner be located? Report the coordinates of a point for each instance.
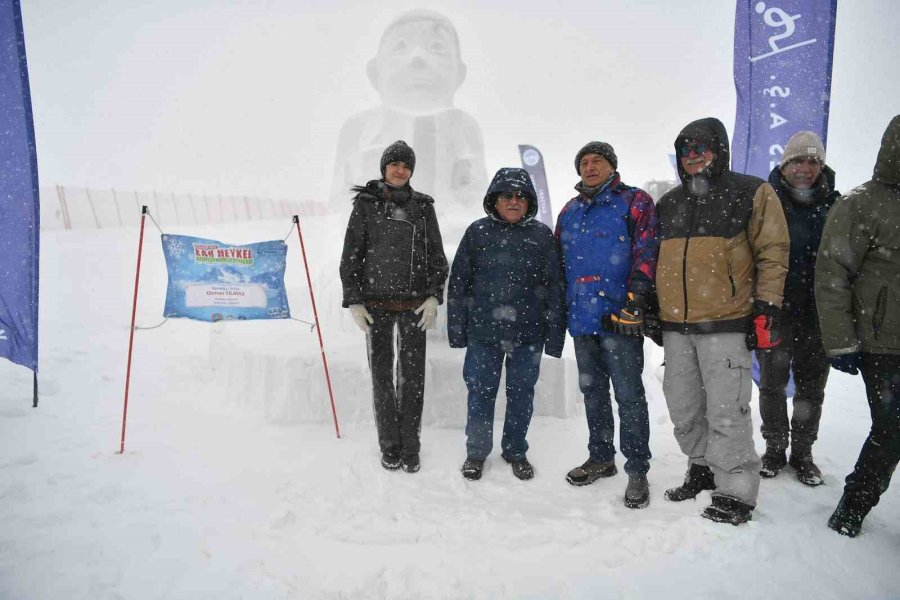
(213, 281)
(19, 202)
(783, 51)
(533, 162)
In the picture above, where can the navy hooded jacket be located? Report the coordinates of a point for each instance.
(506, 280)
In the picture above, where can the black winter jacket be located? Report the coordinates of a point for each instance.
(805, 224)
(392, 247)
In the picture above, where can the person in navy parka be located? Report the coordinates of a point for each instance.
(505, 305)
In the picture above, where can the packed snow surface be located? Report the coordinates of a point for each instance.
(233, 484)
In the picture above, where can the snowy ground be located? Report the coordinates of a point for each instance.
(218, 499)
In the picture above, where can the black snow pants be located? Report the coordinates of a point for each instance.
(398, 398)
(800, 351)
(881, 451)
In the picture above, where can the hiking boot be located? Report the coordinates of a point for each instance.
(391, 462)
(410, 463)
(698, 478)
(807, 471)
(472, 469)
(591, 471)
(637, 492)
(728, 510)
(773, 460)
(848, 517)
(521, 468)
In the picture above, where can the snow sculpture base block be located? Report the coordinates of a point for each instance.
(275, 370)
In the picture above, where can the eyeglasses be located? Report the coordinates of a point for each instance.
(509, 196)
(699, 147)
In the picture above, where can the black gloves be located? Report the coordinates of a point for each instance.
(630, 320)
(848, 363)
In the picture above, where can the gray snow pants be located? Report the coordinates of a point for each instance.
(707, 387)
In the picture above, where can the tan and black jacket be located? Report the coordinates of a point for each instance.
(724, 243)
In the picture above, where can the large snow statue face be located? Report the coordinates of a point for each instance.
(418, 65)
(416, 70)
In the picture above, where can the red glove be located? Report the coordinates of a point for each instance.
(765, 335)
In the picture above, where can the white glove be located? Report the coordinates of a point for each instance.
(428, 310)
(361, 316)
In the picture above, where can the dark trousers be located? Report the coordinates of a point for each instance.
(800, 351)
(398, 399)
(481, 372)
(881, 451)
(620, 359)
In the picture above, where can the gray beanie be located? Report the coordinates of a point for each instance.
(801, 145)
(398, 152)
(601, 148)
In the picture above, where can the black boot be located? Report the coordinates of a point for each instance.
(410, 463)
(848, 517)
(472, 469)
(807, 471)
(637, 492)
(389, 461)
(521, 468)
(698, 478)
(725, 509)
(773, 460)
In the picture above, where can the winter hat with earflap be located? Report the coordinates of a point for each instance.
(398, 152)
(601, 148)
(801, 145)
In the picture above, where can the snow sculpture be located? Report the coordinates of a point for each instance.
(417, 70)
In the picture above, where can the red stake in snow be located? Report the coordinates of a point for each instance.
(137, 278)
(312, 297)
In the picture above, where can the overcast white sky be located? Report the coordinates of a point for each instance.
(213, 96)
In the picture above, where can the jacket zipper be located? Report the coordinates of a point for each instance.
(412, 249)
(731, 279)
(687, 241)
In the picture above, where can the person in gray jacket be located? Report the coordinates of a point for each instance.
(858, 297)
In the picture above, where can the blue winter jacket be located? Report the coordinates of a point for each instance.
(506, 283)
(609, 246)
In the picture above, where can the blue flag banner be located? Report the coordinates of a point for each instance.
(533, 162)
(211, 281)
(783, 52)
(19, 203)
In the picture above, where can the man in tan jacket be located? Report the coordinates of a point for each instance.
(722, 264)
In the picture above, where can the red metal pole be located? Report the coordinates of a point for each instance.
(312, 297)
(137, 278)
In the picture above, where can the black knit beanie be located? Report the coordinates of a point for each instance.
(601, 148)
(398, 152)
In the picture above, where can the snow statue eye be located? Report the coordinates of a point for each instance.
(438, 47)
(398, 47)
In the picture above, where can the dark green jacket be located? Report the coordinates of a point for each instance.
(858, 271)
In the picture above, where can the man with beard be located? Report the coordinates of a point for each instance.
(722, 264)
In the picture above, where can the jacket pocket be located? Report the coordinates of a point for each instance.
(886, 318)
(741, 366)
(731, 278)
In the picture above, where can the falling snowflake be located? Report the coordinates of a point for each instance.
(175, 247)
